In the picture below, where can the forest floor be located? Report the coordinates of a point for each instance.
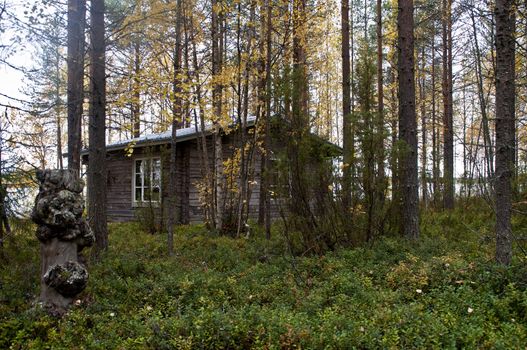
(443, 291)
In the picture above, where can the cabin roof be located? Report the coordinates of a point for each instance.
(182, 135)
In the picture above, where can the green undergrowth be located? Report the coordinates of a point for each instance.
(443, 291)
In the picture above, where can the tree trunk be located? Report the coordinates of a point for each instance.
(505, 126)
(136, 93)
(435, 137)
(176, 120)
(407, 121)
(487, 140)
(380, 186)
(97, 129)
(245, 159)
(206, 171)
(217, 58)
(260, 112)
(76, 24)
(422, 81)
(267, 136)
(58, 109)
(346, 106)
(448, 132)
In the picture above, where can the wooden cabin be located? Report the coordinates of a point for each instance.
(138, 173)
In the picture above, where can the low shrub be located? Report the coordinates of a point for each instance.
(443, 291)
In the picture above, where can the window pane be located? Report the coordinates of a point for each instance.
(138, 194)
(147, 182)
(138, 164)
(155, 194)
(156, 171)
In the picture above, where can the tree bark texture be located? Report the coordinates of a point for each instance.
(136, 93)
(217, 59)
(176, 121)
(448, 126)
(347, 143)
(505, 126)
(97, 172)
(407, 121)
(380, 106)
(76, 24)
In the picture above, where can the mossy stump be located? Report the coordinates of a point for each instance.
(63, 233)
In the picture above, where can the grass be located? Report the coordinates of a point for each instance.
(443, 291)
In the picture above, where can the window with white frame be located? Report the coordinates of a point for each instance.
(147, 180)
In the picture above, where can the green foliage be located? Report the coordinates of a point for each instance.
(443, 291)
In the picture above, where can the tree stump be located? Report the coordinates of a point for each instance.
(63, 233)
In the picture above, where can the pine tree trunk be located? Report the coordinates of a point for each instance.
(435, 136)
(505, 126)
(422, 81)
(380, 185)
(407, 121)
(267, 137)
(176, 120)
(346, 105)
(448, 132)
(76, 24)
(97, 172)
(58, 109)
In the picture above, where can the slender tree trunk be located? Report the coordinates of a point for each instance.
(176, 120)
(505, 126)
(217, 58)
(407, 120)
(58, 109)
(202, 140)
(97, 129)
(381, 182)
(487, 140)
(448, 132)
(76, 24)
(243, 200)
(465, 160)
(260, 112)
(422, 81)
(136, 93)
(435, 136)
(346, 105)
(267, 137)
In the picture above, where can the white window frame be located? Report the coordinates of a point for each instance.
(143, 202)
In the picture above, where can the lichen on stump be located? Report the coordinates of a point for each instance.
(63, 233)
